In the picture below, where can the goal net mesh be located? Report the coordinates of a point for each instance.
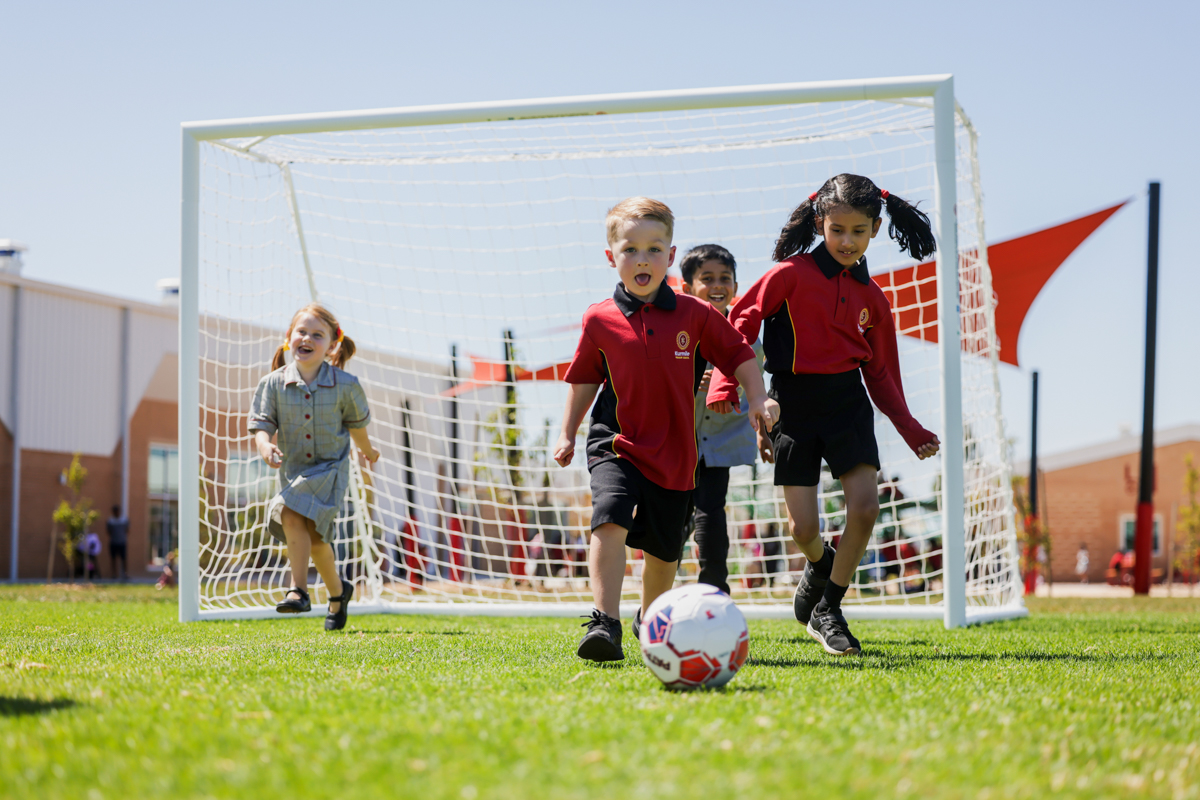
(460, 259)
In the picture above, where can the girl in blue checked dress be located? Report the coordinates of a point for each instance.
(314, 410)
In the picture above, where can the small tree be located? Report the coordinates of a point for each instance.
(1189, 524)
(75, 517)
(1031, 533)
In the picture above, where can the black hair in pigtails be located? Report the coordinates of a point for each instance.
(909, 227)
(801, 228)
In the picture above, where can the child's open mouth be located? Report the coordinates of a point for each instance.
(304, 349)
(717, 297)
(642, 279)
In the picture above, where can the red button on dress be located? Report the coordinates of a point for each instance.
(308, 416)
(308, 455)
(306, 397)
(308, 436)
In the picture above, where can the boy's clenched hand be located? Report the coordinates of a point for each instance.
(564, 449)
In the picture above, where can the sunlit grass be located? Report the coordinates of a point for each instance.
(103, 693)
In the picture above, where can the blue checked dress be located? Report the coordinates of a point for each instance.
(314, 425)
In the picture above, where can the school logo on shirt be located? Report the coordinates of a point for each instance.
(863, 316)
(682, 340)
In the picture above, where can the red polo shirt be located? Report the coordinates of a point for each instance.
(644, 355)
(822, 318)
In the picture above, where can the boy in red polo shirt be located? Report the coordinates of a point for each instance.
(641, 445)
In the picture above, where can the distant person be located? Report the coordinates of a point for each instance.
(118, 535)
(1082, 562)
(92, 548)
(1127, 562)
(169, 574)
(1114, 568)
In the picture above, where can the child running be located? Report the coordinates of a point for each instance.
(315, 409)
(725, 440)
(641, 346)
(825, 322)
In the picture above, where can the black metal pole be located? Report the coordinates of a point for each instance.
(1031, 520)
(1033, 447)
(454, 415)
(1143, 546)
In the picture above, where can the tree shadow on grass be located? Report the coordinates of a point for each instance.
(27, 706)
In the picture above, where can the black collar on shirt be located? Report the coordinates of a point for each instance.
(630, 305)
(830, 267)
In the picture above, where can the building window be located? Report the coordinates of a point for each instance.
(163, 497)
(1129, 527)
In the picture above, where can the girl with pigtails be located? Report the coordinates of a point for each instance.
(314, 410)
(827, 329)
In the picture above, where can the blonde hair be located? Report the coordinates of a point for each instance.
(638, 208)
(341, 352)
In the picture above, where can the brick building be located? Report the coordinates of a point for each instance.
(87, 373)
(1090, 495)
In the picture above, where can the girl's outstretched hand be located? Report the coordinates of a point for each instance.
(564, 450)
(929, 449)
(370, 456)
(271, 454)
(706, 381)
(766, 449)
(721, 407)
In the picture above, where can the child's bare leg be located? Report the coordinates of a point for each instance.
(658, 576)
(326, 563)
(804, 522)
(862, 509)
(299, 547)
(606, 561)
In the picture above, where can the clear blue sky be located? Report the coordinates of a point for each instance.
(1078, 105)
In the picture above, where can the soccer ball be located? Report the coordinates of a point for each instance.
(694, 636)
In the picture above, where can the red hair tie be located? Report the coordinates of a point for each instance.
(884, 194)
(338, 334)
(813, 196)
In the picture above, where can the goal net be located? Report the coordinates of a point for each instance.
(460, 257)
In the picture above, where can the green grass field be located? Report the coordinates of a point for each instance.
(104, 694)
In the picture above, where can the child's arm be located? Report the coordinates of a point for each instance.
(881, 374)
(763, 299)
(363, 442)
(264, 423)
(763, 410)
(579, 400)
(356, 415)
(267, 449)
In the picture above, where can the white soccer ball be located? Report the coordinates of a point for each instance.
(694, 636)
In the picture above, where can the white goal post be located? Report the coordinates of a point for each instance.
(459, 245)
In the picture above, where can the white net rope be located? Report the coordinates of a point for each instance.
(460, 259)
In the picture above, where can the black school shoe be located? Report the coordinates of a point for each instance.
(602, 642)
(335, 622)
(291, 606)
(637, 625)
(810, 589)
(829, 627)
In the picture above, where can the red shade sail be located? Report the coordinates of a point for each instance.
(1020, 268)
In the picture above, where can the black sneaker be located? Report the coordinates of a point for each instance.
(637, 624)
(810, 590)
(602, 642)
(829, 627)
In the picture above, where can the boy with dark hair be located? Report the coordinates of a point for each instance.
(641, 445)
(725, 440)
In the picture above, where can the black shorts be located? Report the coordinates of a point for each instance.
(821, 416)
(116, 550)
(618, 487)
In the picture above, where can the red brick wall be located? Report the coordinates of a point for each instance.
(1085, 504)
(41, 491)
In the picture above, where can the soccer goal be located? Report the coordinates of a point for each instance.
(459, 246)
